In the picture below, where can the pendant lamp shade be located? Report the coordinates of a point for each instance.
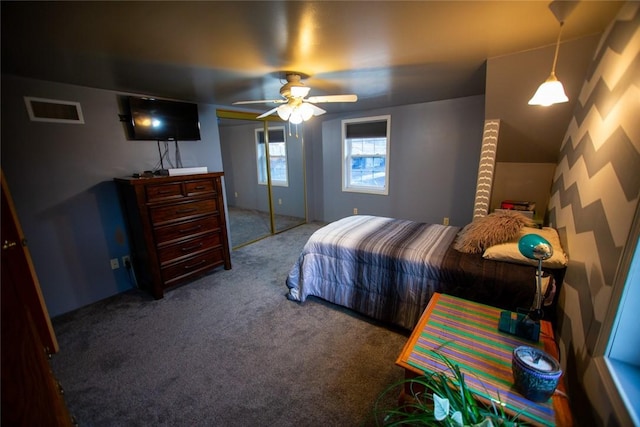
(550, 92)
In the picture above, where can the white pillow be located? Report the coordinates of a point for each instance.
(509, 251)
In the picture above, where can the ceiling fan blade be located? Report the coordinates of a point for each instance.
(268, 113)
(333, 98)
(261, 101)
(316, 110)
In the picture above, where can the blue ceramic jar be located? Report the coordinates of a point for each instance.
(535, 373)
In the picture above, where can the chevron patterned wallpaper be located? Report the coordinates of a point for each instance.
(595, 193)
(486, 168)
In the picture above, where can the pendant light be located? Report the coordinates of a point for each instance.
(551, 91)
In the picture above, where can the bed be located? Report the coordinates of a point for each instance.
(388, 269)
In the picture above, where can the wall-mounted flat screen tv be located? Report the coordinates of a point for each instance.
(161, 120)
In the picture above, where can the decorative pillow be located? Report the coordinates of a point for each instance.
(509, 251)
(495, 228)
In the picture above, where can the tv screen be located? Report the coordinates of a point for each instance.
(160, 120)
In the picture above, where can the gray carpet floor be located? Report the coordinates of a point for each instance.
(226, 350)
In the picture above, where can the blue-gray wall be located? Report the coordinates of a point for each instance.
(61, 180)
(434, 155)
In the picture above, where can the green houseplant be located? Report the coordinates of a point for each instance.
(441, 399)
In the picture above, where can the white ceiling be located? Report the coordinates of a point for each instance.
(387, 52)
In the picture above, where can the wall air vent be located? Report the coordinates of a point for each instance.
(53, 110)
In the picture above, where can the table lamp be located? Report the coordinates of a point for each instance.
(527, 326)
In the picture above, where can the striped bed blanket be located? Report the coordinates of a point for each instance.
(388, 269)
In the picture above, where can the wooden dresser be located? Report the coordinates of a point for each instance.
(177, 228)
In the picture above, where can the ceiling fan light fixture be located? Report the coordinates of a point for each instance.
(284, 111)
(299, 91)
(295, 107)
(295, 114)
(305, 111)
(295, 117)
(550, 92)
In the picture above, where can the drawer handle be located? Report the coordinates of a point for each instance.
(164, 191)
(200, 187)
(187, 210)
(189, 230)
(189, 267)
(191, 248)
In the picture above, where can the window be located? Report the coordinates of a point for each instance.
(365, 153)
(617, 358)
(277, 157)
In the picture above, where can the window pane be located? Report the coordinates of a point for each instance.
(368, 171)
(262, 173)
(279, 169)
(277, 157)
(368, 162)
(277, 149)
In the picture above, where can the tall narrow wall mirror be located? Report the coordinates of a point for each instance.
(264, 176)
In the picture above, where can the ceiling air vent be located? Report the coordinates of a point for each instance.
(53, 110)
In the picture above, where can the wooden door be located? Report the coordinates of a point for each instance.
(18, 267)
(30, 394)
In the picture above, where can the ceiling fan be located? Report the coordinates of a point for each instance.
(295, 107)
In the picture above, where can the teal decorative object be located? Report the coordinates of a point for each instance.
(535, 373)
(532, 246)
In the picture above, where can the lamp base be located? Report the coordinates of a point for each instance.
(520, 325)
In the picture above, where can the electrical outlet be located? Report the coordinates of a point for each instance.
(279, 201)
(126, 261)
(114, 263)
(445, 221)
(235, 194)
(355, 211)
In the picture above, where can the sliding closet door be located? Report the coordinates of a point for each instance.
(264, 176)
(249, 215)
(286, 154)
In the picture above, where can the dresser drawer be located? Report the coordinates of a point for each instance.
(194, 188)
(170, 233)
(189, 247)
(182, 211)
(192, 266)
(159, 192)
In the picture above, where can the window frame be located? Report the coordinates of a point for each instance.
(347, 158)
(619, 375)
(267, 153)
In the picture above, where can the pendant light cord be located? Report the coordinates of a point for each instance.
(555, 57)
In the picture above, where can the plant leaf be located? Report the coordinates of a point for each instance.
(440, 407)
(457, 418)
(485, 423)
